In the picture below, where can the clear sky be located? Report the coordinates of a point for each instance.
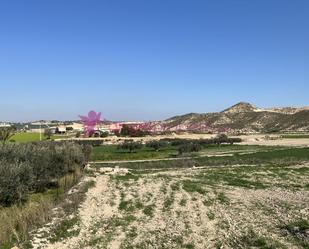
(150, 59)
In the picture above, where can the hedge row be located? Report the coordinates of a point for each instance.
(34, 167)
(92, 142)
(220, 139)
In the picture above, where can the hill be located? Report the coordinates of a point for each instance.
(243, 117)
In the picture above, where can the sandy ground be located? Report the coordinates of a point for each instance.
(260, 140)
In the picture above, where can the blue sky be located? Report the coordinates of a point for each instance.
(150, 59)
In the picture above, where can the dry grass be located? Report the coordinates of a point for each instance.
(18, 220)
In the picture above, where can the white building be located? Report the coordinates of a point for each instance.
(3, 124)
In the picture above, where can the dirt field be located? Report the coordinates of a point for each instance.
(221, 207)
(260, 140)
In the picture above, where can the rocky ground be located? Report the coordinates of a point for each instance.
(224, 207)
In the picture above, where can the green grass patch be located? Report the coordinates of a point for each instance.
(193, 186)
(168, 202)
(222, 198)
(237, 177)
(149, 210)
(275, 156)
(127, 206)
(130, 205)
(301, 225)
(208, 202)
(25, 137)
(183, 202)
(111, 153)
(253, 240)
(295, 136)
(299, 231)
(65, 229)
(211, 215)
(111, 224)
(7, 245)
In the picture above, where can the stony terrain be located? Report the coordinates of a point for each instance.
(216, 207)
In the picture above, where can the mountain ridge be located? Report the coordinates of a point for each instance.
(243, 117)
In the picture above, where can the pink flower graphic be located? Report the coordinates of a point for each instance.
(90, 122)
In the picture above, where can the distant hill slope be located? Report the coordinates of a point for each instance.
(243, 117)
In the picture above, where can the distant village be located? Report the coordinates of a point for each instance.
(114, 127)
(66, 127)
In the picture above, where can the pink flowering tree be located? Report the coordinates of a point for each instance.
(90, 122)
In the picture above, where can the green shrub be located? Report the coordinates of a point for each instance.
(91, 142)
(15, 182)
(189, 147)
(178, 141)
(78, 134)
(104, 134)
(220, 139)
(6, 133)
(131, 131)
(130, 146)
(37, 166)
(87, 149)
(156, 144)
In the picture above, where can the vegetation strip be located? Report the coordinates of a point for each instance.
(33, 177)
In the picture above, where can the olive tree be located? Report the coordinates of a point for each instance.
(130, 146)
(47, 133)
(189, 147)
(156, 145)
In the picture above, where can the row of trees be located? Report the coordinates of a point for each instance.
(131, 145)
(34, 167)
(218, 140)
(129, 131)
(183, 145)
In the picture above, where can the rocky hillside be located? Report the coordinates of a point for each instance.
(241, 107)
(242, 117)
